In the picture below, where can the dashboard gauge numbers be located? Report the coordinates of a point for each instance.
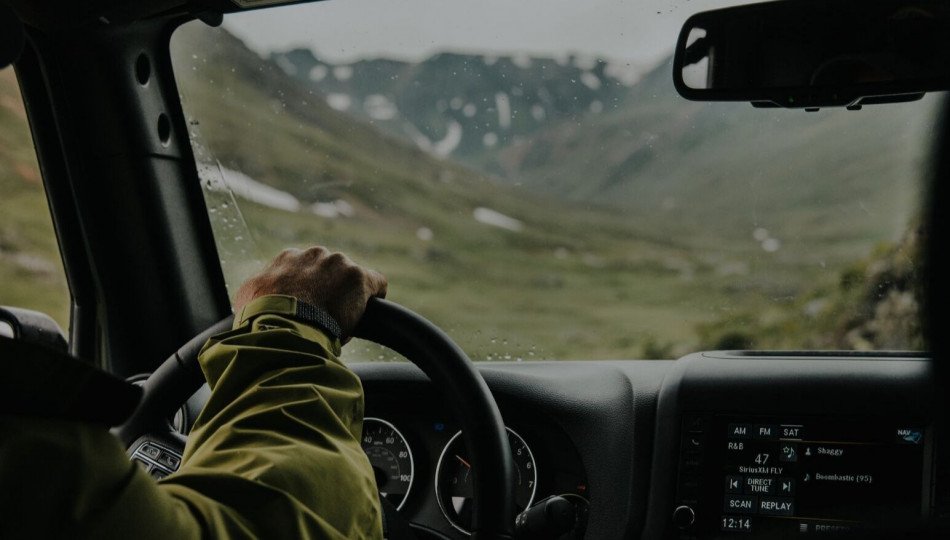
(453, 479)
(391, 458)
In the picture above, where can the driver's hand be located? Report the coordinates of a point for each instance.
(330, 281)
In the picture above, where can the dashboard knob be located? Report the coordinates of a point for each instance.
(684, 517)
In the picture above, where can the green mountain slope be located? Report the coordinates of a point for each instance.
(31, 273)
(831, 177)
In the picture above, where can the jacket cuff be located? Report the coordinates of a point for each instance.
(276, 304)
(287, 307)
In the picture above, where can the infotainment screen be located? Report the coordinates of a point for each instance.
(776, 477)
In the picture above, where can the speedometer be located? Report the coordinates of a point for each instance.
(391, 458)
(454, 486)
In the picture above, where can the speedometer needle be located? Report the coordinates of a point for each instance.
(458, 457)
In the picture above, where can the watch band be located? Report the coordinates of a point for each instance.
(312, 314)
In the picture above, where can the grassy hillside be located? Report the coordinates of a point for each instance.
(31, 273)
(876, 304)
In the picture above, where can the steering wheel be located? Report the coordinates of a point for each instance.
(408, 334)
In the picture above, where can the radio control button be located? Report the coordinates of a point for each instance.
(693, 441)
(684, 517)
(740, 504)
(167, 459)
(760, 485)
(770, 506)
(791, 431)
(150, 450)
(740, 431)
(765, 431)
(786, 487)
(734, 484)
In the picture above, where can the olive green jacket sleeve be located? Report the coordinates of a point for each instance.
(276, 450)
(274, 454)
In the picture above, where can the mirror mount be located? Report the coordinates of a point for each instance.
(855, 105)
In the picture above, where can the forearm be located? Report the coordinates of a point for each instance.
(278, 441)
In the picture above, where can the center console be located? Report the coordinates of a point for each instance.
(785, 446)
(771, 476)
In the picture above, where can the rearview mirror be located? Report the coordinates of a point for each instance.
(815, 53)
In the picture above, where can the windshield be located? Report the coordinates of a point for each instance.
(527, 177)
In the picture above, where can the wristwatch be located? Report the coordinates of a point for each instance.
(292, 307)
(311, 314)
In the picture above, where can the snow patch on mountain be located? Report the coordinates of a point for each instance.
(333, 209)
(245, 187)
(538, 113)
(453, 137)
(591, 80)
(339, 102)
(417, 137)
(342, 73)
(441, 148)
(318, 73)
(504, 110)
(379, 107)
(286, 65)
(496, 219)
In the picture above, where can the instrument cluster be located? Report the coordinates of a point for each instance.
(422, 467)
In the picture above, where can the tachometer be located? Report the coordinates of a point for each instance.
(391, 458)
(453, 479)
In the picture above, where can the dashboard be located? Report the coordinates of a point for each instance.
(713, 445)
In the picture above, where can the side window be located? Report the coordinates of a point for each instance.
(31, 271)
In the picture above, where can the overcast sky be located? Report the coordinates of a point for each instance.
(344, 30)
